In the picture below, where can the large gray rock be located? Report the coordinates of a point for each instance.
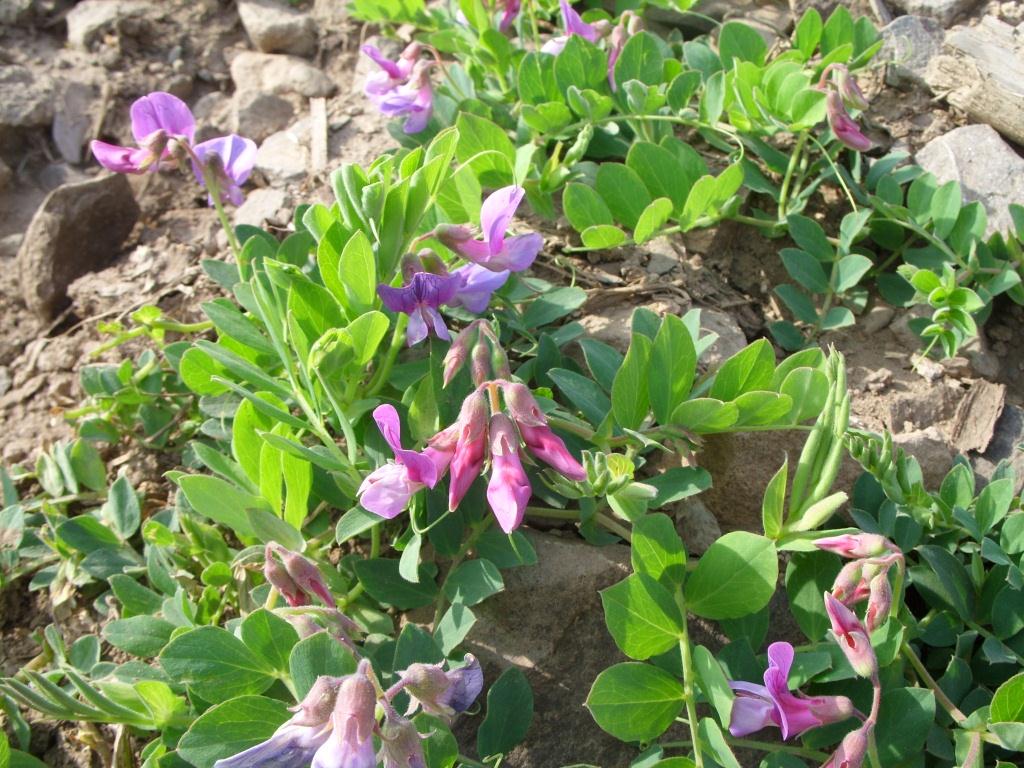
(78, 229)
(932, 451)
(1004, 446)
(943, 11)
(278, 73)
(910, 44)
(283, 157)
(274, 27)
(261, 206)
(258, 115)
(26, 99)
(91, 18)
(73, 120)
(731, 338)
(986, 166)
(15, 11)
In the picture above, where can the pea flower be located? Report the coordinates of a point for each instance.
(773, 704)
(302, 574)
(470, 447)
(494, 252)
(442, 693)
(508, 491)
(350, 743)
(156, 119)
(574, 25)
(386, 491)
(475, 286)
(511, 10)
(857, 545)
(541, 441)
(402, 87)
(843, 126)
(420, 298)
(879, 602)
(852, 750)
(852, 637)
(400, 742)
(223, 165)
(629, 24)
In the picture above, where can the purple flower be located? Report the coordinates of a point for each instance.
(508, 491)
(772, 704)
(852, 637)
(509, 14)
(291, 746)
(476, 284)
(224, 164)
(574, 25)
(156, 120)
(420, 298)
(400, 745)
(443, 693)
(495, 252)
(402, 87)
(350, 744)
(843, 126)
(386, 491)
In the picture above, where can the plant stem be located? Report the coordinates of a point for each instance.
(764, 746)
(474, 533)
(224, 222)
(469, 761)
(614, 526)
(688, 675)
(397, 339)
(787, 179)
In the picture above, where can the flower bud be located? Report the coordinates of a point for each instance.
(459, 351)
(852, 95)
(317, 705)
(499, 362)
(431, 262)
(843, 126)
(522, 406)
(879, 602)
(306, 575)
(480, 363)
(635, 24)
(400, 745)
(857, 545)
(279, 579)
(845, 585)
(852, 637)
(452, 235)
(851, 751)
(470, 447)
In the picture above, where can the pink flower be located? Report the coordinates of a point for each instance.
(857, 545)
(508, 491)
(852, 637)
(225, 163)
(402, 87)
(879, 602)
(851, 751)
(495, 252)
(350, 744)
(539, 439)
(574, 25)
(509, 14)
(772, 704)
(470, 447)
(387, 490)
(156, 120)
(843, 126)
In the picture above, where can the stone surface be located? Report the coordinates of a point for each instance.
(986, 166)
(15, 11)
(283, 157)
(258, 115)
(910, 44)
(78, 229)
(612, 324)
(73, 120)
(260, 206)
(932, 451)
(877, 318)
(89, 19)
(1004, 446)
(6, 175)
(26, 99)
(984, 362)
(280, 74)
(275, 27)
(697, 525)
(731, 338)
(214, 115)
(942, 11)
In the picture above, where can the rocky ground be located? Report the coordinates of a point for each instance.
(79, 248)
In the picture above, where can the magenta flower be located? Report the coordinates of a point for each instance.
(852, 637)
(224, 164)
(857, 545)
(495, 252)
(879, 602)
(386, 491)
(843, 126)
(508, 491)
(298, 579)
(442, 693)
(470, 447)
(852, 750)
(402, 87)
(509, 14)
(574, 25)
(476, 284)
(420, 298)
(539, 439)
(156, 120)
(773, 704)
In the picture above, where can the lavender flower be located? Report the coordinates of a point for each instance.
(400, 742)
(574, 25)
(443, 693)
(494, 251)
(420, 298)
(511, 10)
(157, 119)
(402, 87)
(475, 286)
(223, 165)
(773, 704)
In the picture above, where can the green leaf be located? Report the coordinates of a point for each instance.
(837, 317)
(230, 728)
(738, 41)
(316, 655)
(472, 582)
(945, 208)
(736, 576)
(553, 305)
(901, 732)
(749, 369)
(1008, 701)
(678, 483)
(584, 207)
(808, 234)
(358, 271)
(808, 576)
(87, 534)
(711, 734)
(993, 503)
(641, 616)
(630, 398)
(270, 637)
(661, 172)
(536, 78)
(774, 503)
(383, 582)
(714, 683)
(135, 598)
(805, 269)
(762, 408)
(453, 627)
(215, 664)
(603, 236)
(657, 551)
(509, 714)
(953, 578)
(674, 356)
(850, 270)
(704, 414)
(634, 701)
(88, 465)
(808, 32)
(584, 393)
(143, 636)
(623, 191)
(652, 219)
(581, 64)
(221, 502)
(808, 388)
(488, 147)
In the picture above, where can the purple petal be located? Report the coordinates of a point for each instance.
(119, 159)
(291, 746)
(476, 284)
(390, 426)
(521, 250)
(420, 112)
(555, 45)
(496, 214)
(750, 714)
(417, 330)
(398, 299)
(433, 290)
(161, 110)
(466, 684)
(386, 491)
(432, 317)
(389, 66)
(574, 25)
(780, 661)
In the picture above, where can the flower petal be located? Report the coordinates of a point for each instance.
(382, 61)
(496, 214)
(521, 251)
(386, 491)
(119, 159)
(574, 25)
(398, 299)
(164, 111)
(475, 286)
(750, 714)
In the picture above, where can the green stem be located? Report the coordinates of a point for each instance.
(474, 534)
(224, 222)
(787, 179)
(471, 762)
(397, 340)
(688, 677)
(763, 746)
(553, 514)
(614, 526)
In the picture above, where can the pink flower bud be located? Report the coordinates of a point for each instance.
(508, 491)
(522, 406)
(317, 705)
(458, 352)
(400, 745)
(480, 363)
(470, 448)
(306, 575)
(443, 693)
(879, 602)
(843, 126)
(852, 637)
(851, 752)
(852, 95)
(550, 448)
(849, 582)
(857, 545)
(452, 236)
(279, 579)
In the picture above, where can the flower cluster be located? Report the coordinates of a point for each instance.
(402, 87)
(335, 723)
(428, 285)
(866, 577)
(842, 93)
(483, 433)
(164, 130)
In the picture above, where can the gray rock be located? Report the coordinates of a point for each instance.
(283, 157)
(932, 451)
(73, 120)
(910, 43)
(26, 99)
(14, 12)
(280, 74)
(943, 11)
(877, 318)
(612, 325)
(731, 338)
(78, 229)
(260, 206)
(697, 525)
(663, 257)
(330, 15)
(6, 175)
(986, 166)
(1004, 446)
(214, 115)
(258, 115)
(9, 245)
(91, 18)
(275, 27)
(984, 362)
